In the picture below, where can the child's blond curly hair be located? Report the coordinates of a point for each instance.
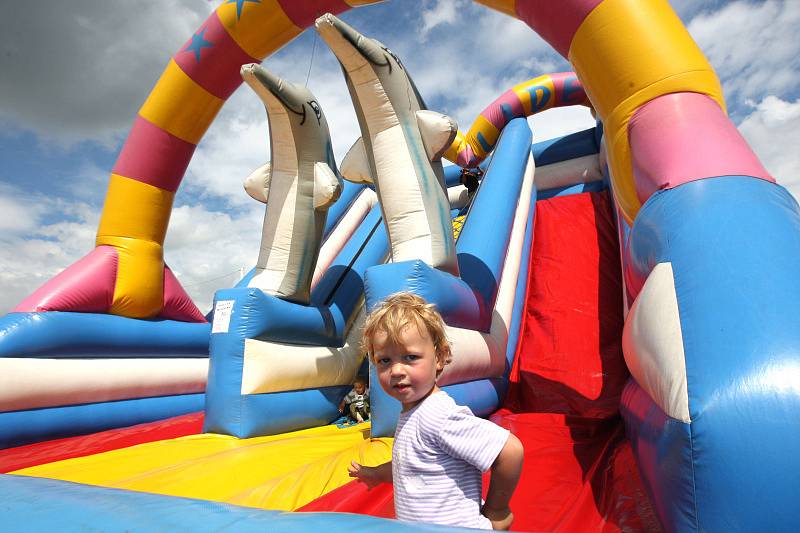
(399, 311)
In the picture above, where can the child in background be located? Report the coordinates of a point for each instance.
(356, 402)
(440, 448)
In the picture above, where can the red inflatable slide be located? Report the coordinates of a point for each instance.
(579, 473)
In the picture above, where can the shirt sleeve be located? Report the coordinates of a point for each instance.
(472, 439)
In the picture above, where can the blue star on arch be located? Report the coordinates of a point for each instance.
(197, 44)
(240, 5)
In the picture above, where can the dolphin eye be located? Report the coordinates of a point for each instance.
(394, 56)
(315, 107)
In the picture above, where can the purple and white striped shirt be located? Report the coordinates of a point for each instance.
(439, 452)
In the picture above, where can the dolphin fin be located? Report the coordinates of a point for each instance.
(438, 132)
(327, 186)
(257, 183)
(355, 165)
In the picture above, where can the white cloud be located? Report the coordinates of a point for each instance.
(439, 12)
(560, 121)
(753, 47)
(33, 250)
(207, 250)
(773, 131)
(236, 144)
(17, 217)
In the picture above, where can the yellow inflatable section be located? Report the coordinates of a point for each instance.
(279, 472)
(620, 56)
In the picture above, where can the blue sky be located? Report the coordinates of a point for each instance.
(75, 74)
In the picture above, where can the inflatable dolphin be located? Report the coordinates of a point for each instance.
(298, 186)
(400, 149)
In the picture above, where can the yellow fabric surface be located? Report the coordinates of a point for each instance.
(262, 28)
(620, 56)
(509, 7)
(281, 472)
(489, 132)
(458, 225)
(522, 90)
(451, 154)
(139, 288)
(134, 221)
(135, 209)
(178, 105)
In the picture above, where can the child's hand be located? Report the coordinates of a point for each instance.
(371, 475)
(501, 519)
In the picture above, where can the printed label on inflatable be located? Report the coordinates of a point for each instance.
(222, 316)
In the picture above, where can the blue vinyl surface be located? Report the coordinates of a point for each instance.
(259, 316)
(734, 246)
(35, 425)
(570, 146)
(578, 188)
(88, 335)
(36, 504)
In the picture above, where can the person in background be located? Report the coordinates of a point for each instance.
(356, 403)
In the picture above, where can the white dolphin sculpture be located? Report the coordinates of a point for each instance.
(400, 148)
(298, 186)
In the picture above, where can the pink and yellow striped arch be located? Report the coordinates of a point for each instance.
(523, 100)
(626, 53)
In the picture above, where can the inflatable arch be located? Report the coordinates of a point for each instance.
(638, 64)
(708, 409)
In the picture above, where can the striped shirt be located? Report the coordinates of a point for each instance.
(439, 452)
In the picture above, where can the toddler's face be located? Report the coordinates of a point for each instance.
(407, 371)
(360, 388)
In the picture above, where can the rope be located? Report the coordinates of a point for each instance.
(311, 63)
(238, 270)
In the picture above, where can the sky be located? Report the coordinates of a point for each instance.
(74, 75)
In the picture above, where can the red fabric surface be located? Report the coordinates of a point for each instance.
(154, 156)
(563, 403)
(355, 497)
(579, 472)
(569, 356)
(220, 57)
(56, 450)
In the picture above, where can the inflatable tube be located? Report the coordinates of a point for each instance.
(35, 425)
(523, 100)
(693, 412)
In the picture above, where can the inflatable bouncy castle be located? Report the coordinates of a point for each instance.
(623, 299)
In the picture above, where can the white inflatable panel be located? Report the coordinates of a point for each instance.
(37, 383)
(257, 183)
(652, 343)
(344, 229)
(438, 132)
(458, 196)
(275, 367)
(355, 165)
(584, 169)
(403, 205)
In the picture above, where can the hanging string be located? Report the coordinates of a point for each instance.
(311, 63)
(203, 282)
